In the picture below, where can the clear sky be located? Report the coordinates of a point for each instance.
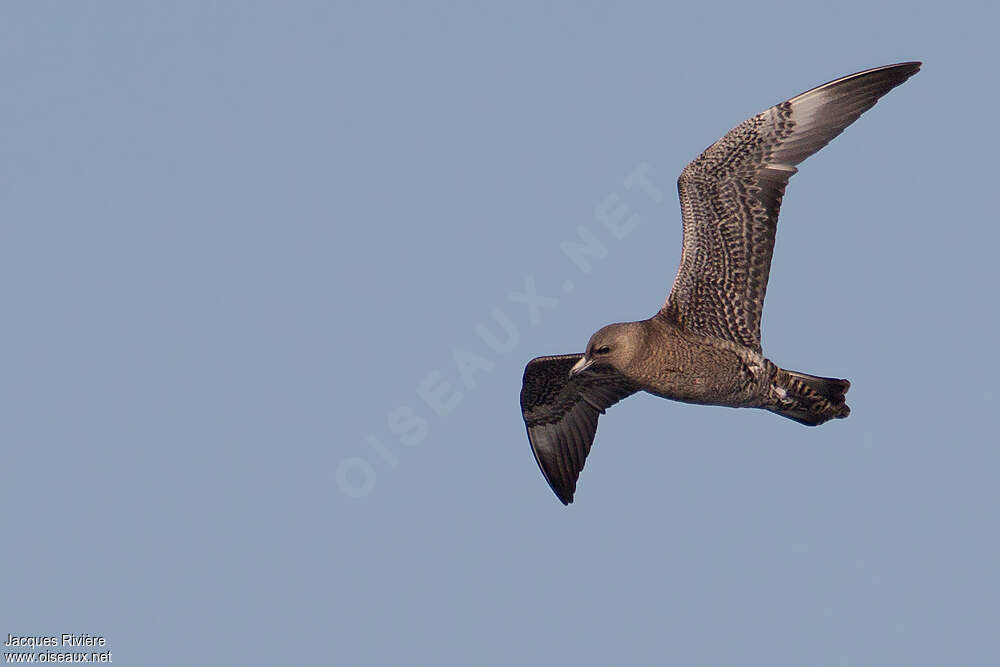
(249, 414)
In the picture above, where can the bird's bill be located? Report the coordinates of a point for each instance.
(580, 366)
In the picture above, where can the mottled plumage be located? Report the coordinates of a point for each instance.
(703, 346)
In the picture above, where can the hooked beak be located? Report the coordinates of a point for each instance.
(580, 366)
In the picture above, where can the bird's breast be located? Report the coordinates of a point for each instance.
(697, 371)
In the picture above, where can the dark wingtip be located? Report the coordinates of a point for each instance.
(565, 496)
(911, 67)
(894, 75)
(903, 71)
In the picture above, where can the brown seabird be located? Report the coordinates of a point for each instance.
(703, 346)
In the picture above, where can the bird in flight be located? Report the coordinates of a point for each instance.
(703, 346)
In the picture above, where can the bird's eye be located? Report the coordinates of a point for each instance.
(603, 350)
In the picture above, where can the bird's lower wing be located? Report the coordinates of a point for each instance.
(560, 413)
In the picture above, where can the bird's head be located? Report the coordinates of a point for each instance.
(614, 345)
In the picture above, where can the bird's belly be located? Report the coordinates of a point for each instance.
(720, 379)
(704, 391)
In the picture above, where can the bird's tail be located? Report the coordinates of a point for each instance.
(808, 399)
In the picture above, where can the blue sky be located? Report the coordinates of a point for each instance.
(245, 243)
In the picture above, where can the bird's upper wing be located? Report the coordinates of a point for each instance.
(561, 414)
(730, 196)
